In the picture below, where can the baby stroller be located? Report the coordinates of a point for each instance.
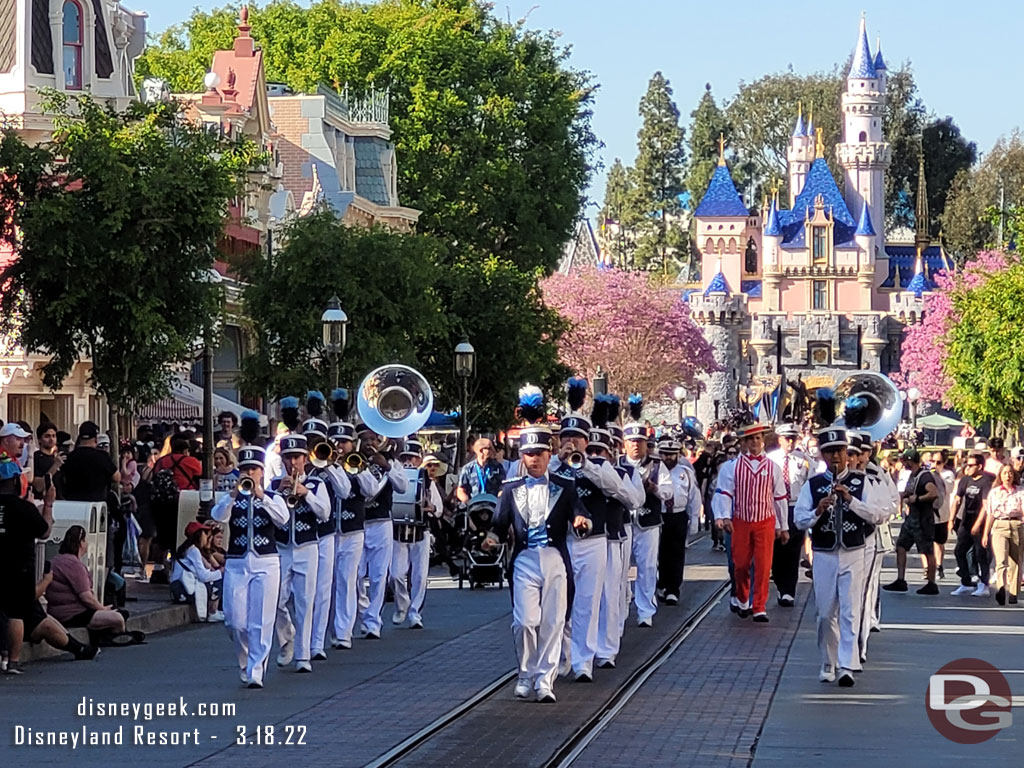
(477, 566)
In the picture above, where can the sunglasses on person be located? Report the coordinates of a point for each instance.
(973, 464)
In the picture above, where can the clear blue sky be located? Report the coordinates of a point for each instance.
(965, 55)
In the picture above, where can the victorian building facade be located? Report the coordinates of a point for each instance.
(810, 290)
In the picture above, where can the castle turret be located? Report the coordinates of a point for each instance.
(799, 154)
(864, 153)
(880, 69)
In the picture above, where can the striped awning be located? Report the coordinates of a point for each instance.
(186, 405)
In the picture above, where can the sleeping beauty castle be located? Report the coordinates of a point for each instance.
(807, 290)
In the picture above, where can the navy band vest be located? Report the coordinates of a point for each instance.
(649, 515)
(618, 513)
(840, 518)
(353, 510)
(250, 528)
(380, 507)
(333, 523)
(302, 521)
(593, 498)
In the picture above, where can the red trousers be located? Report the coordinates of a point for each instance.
(753, 543)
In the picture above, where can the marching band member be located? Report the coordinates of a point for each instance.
(350, 536)
(378, 533)
(878, 540)
(615, 592)
(537, 510)
(308, 505)
(410, 559)
(680, 518)
(836, 506)
(338, 488)
(252, 573)
(646, 519)
(289, 426)
(595, 481)
(752, 507)
(796, 469)
(249, 429)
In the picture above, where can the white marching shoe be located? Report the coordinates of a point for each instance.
(827, 674)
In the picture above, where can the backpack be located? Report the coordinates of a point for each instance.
(165, 487)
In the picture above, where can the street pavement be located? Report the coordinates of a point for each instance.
(734, 694)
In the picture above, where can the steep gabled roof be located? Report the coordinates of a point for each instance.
(721, 199)
(863, 67)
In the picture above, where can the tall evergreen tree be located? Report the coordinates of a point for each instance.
(660, 172)
(620, 214)
(708, 123)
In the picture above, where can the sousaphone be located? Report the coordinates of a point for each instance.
(885, 407)
(395, 401)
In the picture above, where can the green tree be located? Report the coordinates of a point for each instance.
(984, 357)
(620, 214)
(115, 223)
(762, 116)
(996, 183)
(660, 177)
(491, 125)
(387, 285)
(708, 123)
(500, 310)
(905, 116)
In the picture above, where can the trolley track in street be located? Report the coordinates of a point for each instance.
(568, 749)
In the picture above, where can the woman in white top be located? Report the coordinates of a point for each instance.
(191, 576)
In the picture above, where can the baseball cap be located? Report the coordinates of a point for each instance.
(88, 430)
(192, 528)
(911, 454)
(12, 428)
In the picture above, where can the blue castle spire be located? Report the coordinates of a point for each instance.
(798, 129)
(863, 67)
(774, 227)
(718, 283)
(864, 226)
(879, 61)
(919, 284)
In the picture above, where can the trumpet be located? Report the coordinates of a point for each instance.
(292, 500)
(576, 459)
(353, 463)
(245, 486)
(323, 455)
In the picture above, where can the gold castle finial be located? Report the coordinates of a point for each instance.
(721, 149)
(799, 110)
(819, 149)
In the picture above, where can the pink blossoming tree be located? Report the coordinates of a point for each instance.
(638, 331)
(924, 350)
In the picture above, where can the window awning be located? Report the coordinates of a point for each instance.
(186, 404)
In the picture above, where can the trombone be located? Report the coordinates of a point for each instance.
(575, 460)
(245, 486)
(292, 500)
(323, 455)
(353, 463)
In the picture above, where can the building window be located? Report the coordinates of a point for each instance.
(819, 295)
(863, 136)
(820, 250)
(72, 45)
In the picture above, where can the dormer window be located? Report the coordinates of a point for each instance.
(73, 36)
(820, 238)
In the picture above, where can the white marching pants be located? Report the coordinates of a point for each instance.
(627, 551)
(838, 595)
(871, 587)
(324, 593)
(645, 555)
(295, 603)
(589, 558)
(250, 598)
(347, 556)
(409, 566)
(377, 542)
(614, 593)
(539, 586)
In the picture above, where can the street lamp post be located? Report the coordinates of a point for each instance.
(913, 395)
(335, 328)
(465, 368)
(680, 395)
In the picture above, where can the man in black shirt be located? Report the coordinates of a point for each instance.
(919, 524)
(89, 472)
(46, 461)
(971, 493)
